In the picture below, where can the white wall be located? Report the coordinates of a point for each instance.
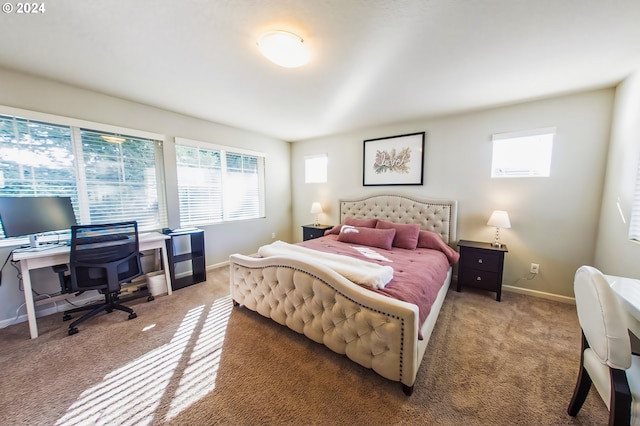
(554, 220)
(35, 94)
(615, 254)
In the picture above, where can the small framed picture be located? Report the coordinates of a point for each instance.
(394, 160)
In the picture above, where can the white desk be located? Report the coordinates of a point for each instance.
(628, 290)
(60, 255)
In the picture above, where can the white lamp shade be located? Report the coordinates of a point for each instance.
(499, 219)
(284, 48)
(316, 208)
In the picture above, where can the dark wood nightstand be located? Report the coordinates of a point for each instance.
(310, 232)
(481, 266)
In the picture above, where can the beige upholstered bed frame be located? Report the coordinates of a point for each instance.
(372, 330)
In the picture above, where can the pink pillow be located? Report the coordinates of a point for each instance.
(406, 233)
(431, 240)
(335, 230)
(363, 223)
(352, 221)
(381, 238)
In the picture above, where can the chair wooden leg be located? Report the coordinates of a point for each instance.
(582, 385)
(580, 393)
(620, 403)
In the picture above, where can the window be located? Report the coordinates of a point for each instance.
(217, 184)
(634, 222)
(110, 177)
(522, 154)
(315, 168)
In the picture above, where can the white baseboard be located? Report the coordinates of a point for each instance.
(217, 265)
(541, 294)
(58, 306)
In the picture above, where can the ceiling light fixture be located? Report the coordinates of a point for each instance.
(284, 48)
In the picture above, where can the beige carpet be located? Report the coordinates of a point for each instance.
(190, 359)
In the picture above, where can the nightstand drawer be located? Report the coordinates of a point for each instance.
(481, 279)
(311, 233)
(481, 259)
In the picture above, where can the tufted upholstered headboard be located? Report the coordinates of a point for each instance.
(439, 216)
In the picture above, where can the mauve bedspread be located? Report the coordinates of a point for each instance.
(418, 274)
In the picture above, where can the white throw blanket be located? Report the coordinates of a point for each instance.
(356, 270)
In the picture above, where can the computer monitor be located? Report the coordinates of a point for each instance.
(29, 216)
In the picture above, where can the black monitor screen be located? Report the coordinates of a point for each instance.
(23, 216)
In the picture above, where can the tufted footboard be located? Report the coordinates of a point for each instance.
(372, 330)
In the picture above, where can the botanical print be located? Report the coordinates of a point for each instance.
(393, 160)
(390, 161)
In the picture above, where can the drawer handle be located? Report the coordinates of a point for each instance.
(479, 260)
(478, 279)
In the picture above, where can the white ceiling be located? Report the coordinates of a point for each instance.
(374, 61)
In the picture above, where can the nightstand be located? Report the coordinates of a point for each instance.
(481, 266)
(310, 232)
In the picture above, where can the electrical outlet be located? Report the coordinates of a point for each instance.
(273, 235)
(535, 268)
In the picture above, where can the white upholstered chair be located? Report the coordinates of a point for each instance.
(606, 359)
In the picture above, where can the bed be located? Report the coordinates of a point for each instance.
(372, 329)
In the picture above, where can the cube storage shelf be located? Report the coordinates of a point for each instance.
(195, 255)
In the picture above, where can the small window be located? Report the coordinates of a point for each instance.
(522, 154)
(315, 169)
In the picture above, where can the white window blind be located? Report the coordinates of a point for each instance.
(121, 175)
(522, 154)
(634, 222)
(218, 184)
(108, 181)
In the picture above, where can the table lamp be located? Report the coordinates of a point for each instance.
(499, 219)
(316, 209)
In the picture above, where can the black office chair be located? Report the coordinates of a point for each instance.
(102, 258)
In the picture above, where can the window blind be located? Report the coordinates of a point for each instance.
(634, 222)
(121, 179)
(107, 181)
(216, 185)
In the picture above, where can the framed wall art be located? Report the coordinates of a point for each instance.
(394, 160)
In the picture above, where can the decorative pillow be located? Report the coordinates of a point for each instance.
(406, 233)
(431, 240)
(372, 237)
(352, 221)
(363, 223)
(335, 230)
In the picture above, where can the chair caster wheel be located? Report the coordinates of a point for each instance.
(66, 317)
(150, 299)
(73, 331)
(133, 315)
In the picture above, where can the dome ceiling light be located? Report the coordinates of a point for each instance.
(284, 48)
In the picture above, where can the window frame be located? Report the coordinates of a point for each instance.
(224, 149)
(311, 162)
(76, 126)
(531, 170)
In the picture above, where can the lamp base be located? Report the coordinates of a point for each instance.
(497, 245)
